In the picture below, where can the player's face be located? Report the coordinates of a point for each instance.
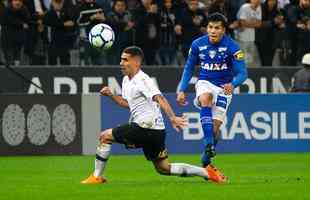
(216, 31)
(129, 64)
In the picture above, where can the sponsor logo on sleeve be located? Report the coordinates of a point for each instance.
(239, 55)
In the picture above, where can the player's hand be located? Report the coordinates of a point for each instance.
(181, 99)
(178, 123)
(106, 91)
(228, 88)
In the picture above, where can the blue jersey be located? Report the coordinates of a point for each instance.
(219, 63)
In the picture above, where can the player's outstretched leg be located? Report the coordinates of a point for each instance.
(208, 173)
(102, 156)
(208, 140)
(216, 174)
(207, 127)
(206, 119)
(182, 169)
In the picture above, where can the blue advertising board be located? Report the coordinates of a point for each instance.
(255, 123)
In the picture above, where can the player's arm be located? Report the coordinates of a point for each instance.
(116, 98)
(151, 91)
(177, 122)
(187, 73)
(189, 68)
(239, 69)
(120, 101)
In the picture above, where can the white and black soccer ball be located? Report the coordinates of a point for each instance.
(101, 36)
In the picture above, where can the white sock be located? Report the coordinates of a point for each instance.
(102, 156)
(183, 169)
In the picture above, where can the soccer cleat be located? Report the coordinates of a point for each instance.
(215, 175)
(94, 180)
(210, 151)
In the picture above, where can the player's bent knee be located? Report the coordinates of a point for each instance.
(162, 171)
(162, 168)
(106, 136)
(205, 99)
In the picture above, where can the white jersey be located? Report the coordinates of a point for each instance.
(139, 92)
(247, 13)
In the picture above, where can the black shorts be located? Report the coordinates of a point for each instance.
(151, 141)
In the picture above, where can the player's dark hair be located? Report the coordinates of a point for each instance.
(135, 51)
(218, 17)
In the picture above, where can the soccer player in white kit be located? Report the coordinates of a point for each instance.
(146, 128)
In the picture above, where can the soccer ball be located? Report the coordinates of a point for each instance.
(101, 36)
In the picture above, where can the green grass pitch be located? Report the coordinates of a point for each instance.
(252, 176)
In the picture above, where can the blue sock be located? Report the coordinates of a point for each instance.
(205, 160)
(207, 125)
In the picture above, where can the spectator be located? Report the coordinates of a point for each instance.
(2, 6)
(15, 21)
(123, 25)
(303, 27)
(305, 38)
(147, 22)
(168, 42)
(191, 25)
(106, 5)
(290, 43)
(61, 19)
(90, 15)
(36, 43)
(133, 5)
(301, 79)
(266, 34)
(250, 16)
(226, 8)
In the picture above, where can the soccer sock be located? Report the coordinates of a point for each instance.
(205, 160)
(183, 169)
(102, 156)
(207, 125)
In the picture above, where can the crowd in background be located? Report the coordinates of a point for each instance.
(54, 32)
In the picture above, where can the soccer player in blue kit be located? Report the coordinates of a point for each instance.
(222, 68)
